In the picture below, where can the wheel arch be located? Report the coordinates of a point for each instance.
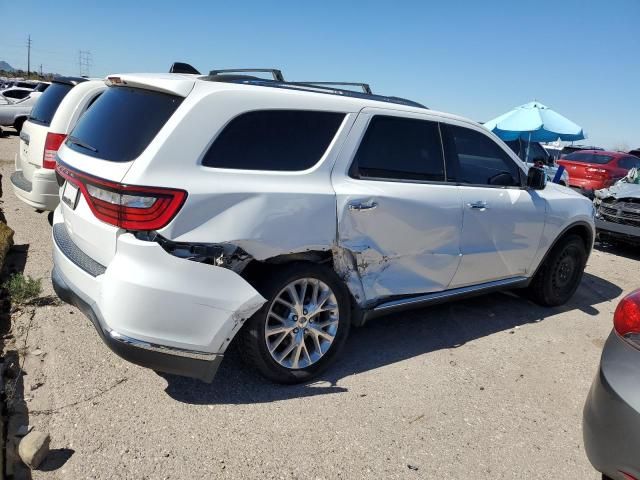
(257, 269)
(581, 228)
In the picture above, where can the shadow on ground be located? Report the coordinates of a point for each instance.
(389, 340)
(621, 250)
(8, 132)
(56, 459)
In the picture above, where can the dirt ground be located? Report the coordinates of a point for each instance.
(487, 388)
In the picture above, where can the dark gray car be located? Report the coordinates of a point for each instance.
(611, 422)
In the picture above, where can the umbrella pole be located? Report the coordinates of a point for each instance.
(526, 158)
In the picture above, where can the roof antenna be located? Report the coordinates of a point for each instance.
(180, 67)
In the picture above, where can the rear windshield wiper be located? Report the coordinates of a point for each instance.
(80, 143)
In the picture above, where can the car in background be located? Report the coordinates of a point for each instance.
(618, 211)
(554, 151)
(635, 152)
(566, 150)
(13, 94)
(533, 153)
(50, 121)
(611, 416)
(42, 86)
(29, 84)
(591, 170)
(15, 113)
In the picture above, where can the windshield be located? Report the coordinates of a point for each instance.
(46, 106)
(584, 157)
(122, 123)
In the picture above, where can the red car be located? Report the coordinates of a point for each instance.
(591, 170)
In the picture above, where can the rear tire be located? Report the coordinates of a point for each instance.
(291, 341)
(560, 274)
(18, 124)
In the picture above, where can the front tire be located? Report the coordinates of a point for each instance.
(302, 327)
(560, 274)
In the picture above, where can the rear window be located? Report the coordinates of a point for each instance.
(46, 106)
(584, 157)
(280, 140)
(122, 123)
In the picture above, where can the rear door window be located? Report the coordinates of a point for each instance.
(398, 148)
(122, 123)
(46, 106)
(475, 159)
(280, 140)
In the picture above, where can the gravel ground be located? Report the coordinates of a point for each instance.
(491, 387)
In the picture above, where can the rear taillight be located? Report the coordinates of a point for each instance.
(51, 147)
(626, 319)
(601, 172)
(126, 206)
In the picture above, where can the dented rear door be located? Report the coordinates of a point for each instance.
(399, 222)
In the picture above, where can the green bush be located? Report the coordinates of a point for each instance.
(22, 289)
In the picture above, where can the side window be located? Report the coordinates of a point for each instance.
(400, 149)
(629, 162)
(473, 158)
(17, 94)
(281, 140)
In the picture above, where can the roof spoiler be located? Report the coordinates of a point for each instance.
(180, 67)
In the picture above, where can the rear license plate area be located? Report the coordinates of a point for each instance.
(70, 195)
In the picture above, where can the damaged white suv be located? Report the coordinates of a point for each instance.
(197, 209)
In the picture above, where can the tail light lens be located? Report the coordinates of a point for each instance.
(51, 147)
(130, 207)
(626, 319)
(600, 172)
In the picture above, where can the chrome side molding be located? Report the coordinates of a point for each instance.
(408, 303)
(178, 352)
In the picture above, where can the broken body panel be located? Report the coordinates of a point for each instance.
(618, 209)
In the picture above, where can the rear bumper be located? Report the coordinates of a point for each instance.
(611, 421)
(41, 193)
(151, 308)
(202, 366)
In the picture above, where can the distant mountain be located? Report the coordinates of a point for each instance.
(6, 67)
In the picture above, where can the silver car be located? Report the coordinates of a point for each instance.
(611, 422)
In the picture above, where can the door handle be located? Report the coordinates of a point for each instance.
(359, 207)
(479, 205)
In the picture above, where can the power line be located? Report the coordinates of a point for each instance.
(84, 62)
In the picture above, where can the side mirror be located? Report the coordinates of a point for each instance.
(536, 178)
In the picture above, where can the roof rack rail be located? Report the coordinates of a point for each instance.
(277, 74)
(365, 86)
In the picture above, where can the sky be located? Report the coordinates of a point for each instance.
(474, 58)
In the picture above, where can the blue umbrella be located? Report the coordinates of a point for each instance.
(534, 122)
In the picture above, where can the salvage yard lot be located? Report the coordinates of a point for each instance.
(491, 387)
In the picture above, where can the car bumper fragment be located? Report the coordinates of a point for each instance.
(41, 192)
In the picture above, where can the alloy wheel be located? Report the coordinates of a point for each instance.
(302, 323)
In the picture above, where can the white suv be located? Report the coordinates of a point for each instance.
(52, 118)
(198, 209)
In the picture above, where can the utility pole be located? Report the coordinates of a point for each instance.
(41, 70)
(28, 55)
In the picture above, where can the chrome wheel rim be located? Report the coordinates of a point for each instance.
(302, 323)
